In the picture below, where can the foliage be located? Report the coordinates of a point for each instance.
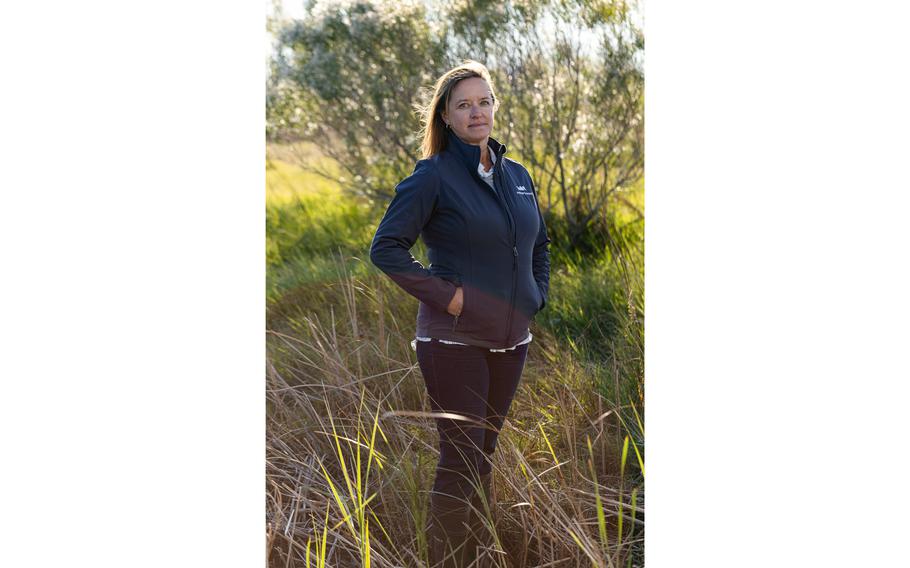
(571, 79)
(308, 223)
(346, 79)
(568, 73)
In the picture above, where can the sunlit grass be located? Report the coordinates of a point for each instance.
(350, 432)
(308, 221)
(286, 180)
(351, 444)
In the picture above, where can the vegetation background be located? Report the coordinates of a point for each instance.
(350, 447)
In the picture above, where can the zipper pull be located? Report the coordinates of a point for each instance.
(455, 323)
(515, 251)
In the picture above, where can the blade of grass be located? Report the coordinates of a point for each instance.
(622, 473)
(601, 518)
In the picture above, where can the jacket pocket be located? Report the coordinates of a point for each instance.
(540, 301)
(458, 321)
(484, 313)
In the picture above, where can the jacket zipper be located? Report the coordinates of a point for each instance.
(501, 195)
(514, 284)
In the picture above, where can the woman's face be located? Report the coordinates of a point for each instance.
(470, 110)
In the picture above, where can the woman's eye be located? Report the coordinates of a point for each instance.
(485, 102)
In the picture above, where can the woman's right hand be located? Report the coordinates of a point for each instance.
(456, 303)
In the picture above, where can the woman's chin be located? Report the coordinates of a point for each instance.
(476, 135)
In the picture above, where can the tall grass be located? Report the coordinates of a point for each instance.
(351, 445)
(351, 442)
(307, 219)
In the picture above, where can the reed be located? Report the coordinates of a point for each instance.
(351, 443)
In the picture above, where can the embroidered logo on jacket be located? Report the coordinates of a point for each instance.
(522, 190)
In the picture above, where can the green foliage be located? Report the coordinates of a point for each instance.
(568, 74)
(308, 221)
(347, 77)
(586, 305)
(316, 225)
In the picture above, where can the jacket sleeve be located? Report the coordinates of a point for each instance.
(540, 263)
(410, 209)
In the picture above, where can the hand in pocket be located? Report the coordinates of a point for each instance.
(457, 302)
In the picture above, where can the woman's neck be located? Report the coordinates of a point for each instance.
(484, 151)
(485, 156)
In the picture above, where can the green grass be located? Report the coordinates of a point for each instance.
(350, 443)
(308, 222)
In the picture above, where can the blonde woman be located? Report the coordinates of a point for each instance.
(477, 212)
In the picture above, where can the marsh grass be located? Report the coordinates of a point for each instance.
(351, 442)
(351, 445)
(307, 221)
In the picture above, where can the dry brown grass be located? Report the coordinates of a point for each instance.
(351, 445)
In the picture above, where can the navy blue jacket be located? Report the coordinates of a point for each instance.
(492, 243)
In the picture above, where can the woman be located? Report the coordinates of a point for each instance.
(489, 271)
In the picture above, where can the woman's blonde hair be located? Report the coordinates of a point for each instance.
(433, 127)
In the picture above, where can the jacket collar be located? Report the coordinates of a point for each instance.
(470, 154)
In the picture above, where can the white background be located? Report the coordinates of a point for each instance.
(132, 305)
